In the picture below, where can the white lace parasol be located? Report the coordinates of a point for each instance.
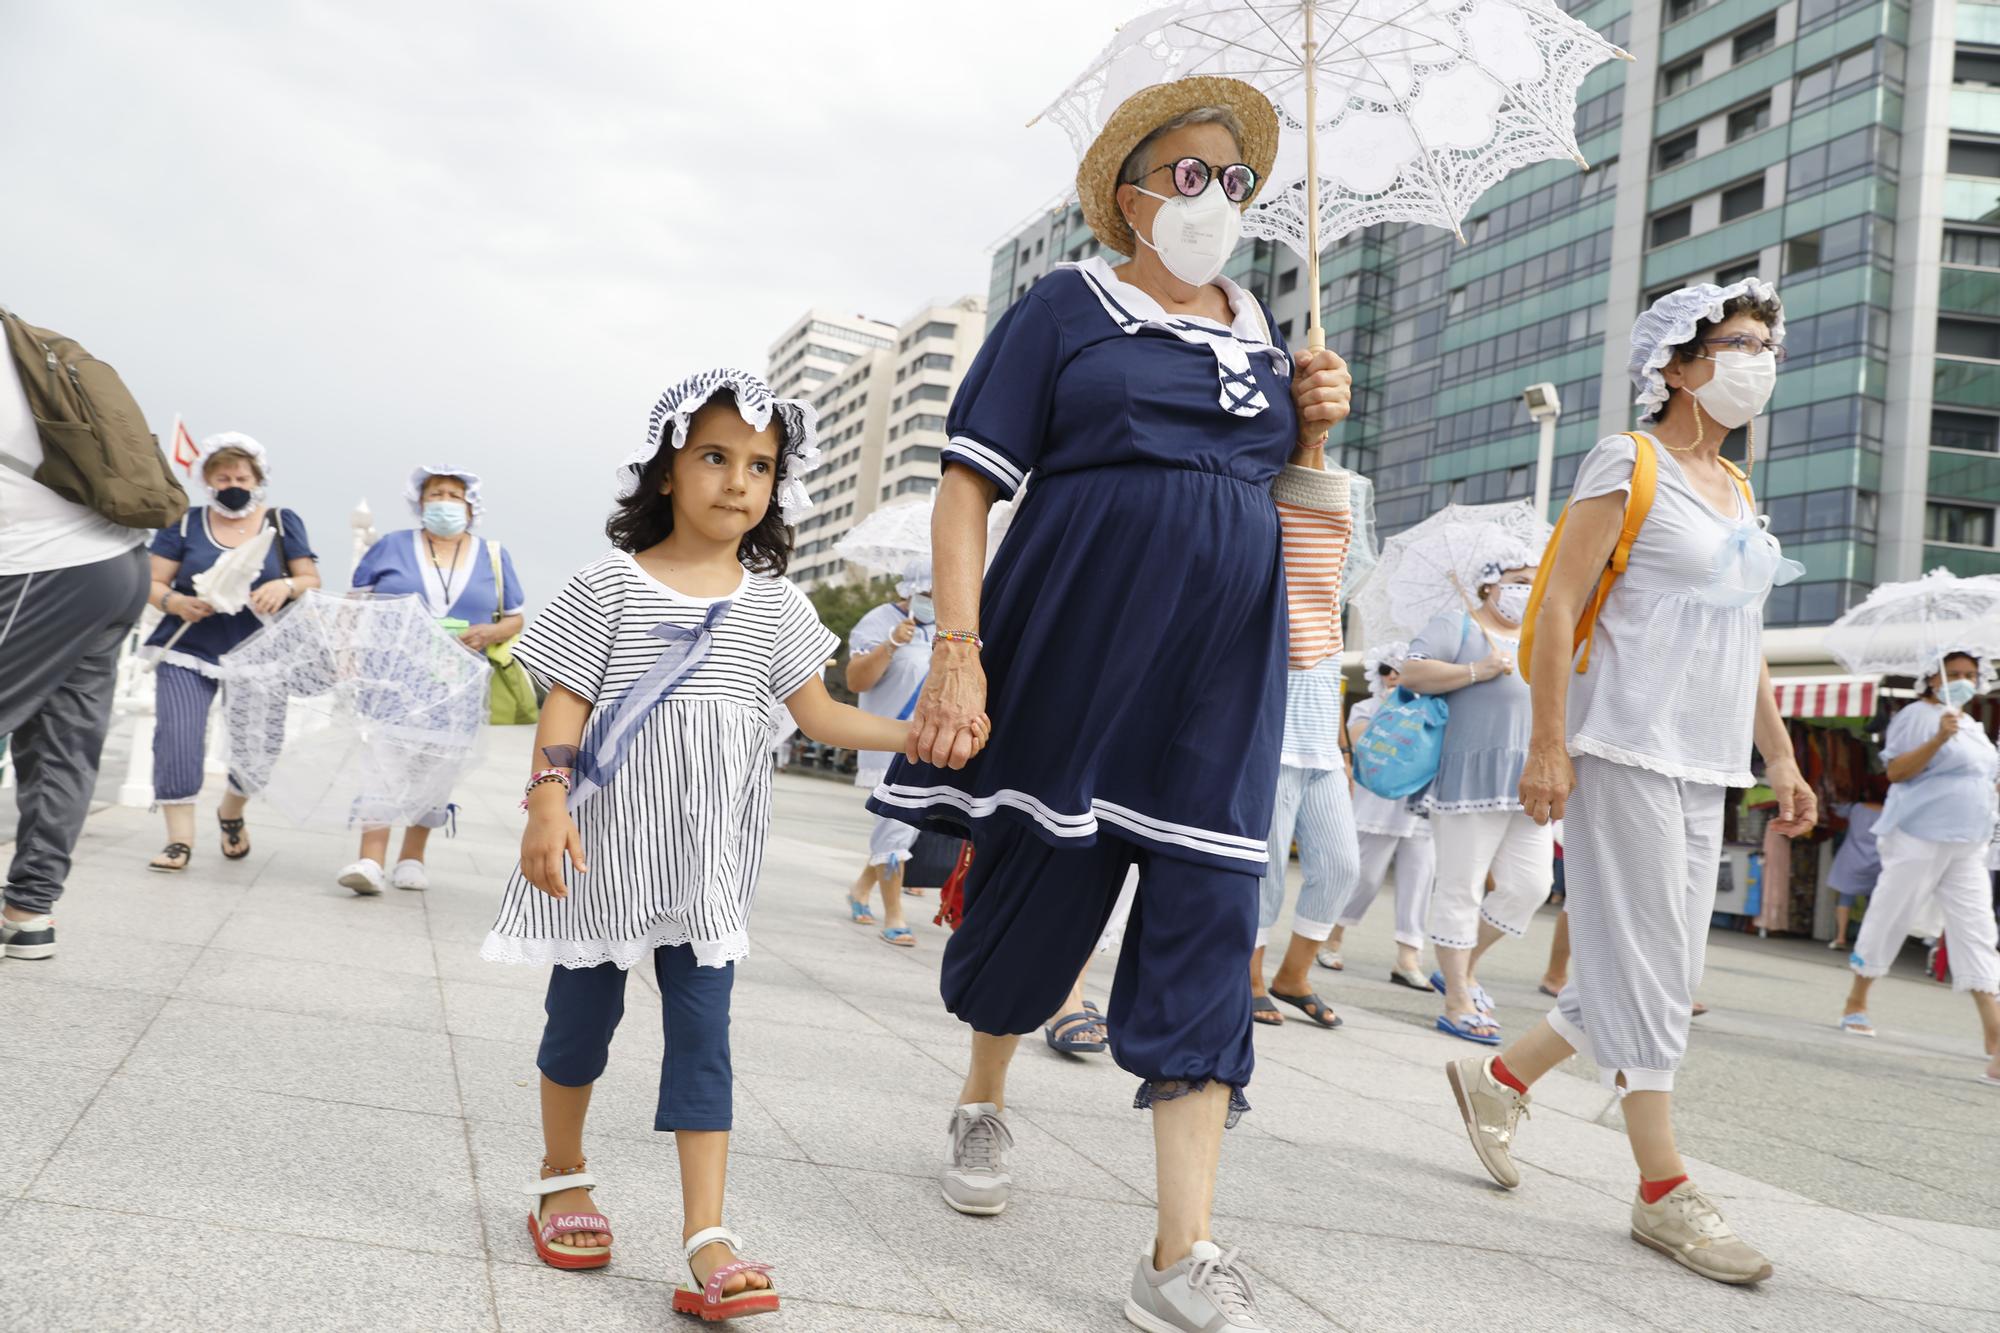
(886, 541)
(383, 707)
(1421, 106)
(1435, 566)
(1905, 629)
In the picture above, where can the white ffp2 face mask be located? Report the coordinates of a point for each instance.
(1740, 387)
(1194, 237)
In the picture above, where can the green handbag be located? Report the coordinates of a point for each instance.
(511, 701)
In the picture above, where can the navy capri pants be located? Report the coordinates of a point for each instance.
(1180, 1003)
(584, 1005)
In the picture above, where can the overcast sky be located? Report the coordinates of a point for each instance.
(488, 234)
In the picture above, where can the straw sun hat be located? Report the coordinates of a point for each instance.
(1145, 111)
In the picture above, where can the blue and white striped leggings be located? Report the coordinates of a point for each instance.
(1314, 804)
(182, 699)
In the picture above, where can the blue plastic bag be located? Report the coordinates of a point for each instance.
(1398, 754)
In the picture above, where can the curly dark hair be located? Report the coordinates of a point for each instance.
(1766, 311)
(645, 517)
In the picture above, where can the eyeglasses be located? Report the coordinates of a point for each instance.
(1747, 342)
(1191, 177)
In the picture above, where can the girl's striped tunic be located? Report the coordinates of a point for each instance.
(675, 841)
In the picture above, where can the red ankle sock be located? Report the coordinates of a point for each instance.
(1502, 1074)
(1652, 1191)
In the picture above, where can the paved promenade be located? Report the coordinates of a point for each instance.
(241, 1098)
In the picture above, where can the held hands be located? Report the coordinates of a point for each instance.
(1322, 389)
(1798, 807)
(1546, 783)
(550, 833)
(950, 725)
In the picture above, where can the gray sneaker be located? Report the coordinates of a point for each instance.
(1207, 1292)
(974, 1174)
(1685, 1227)
(1491, 1110)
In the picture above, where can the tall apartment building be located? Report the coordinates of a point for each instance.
(881, 421)
(1847, 150)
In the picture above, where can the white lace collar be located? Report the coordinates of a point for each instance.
(1132, 310)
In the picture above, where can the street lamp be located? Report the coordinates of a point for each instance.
(1544, 406)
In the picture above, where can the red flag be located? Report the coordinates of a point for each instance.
(181, 449)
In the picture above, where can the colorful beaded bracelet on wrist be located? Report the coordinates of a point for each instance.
(960, 636)
(543, 779)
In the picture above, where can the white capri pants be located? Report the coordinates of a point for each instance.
(1415, 861)
(1641, 855)
(1520, 855)
(1314, 804)
(1914, 871)
(890, 841)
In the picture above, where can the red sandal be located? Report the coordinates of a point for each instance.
(707, 1301)
(544, 1230)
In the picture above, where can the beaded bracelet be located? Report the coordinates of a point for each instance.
(960, 636)
(544, 778)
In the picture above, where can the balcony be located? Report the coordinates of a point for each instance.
(1976, 109)
(1972, 199)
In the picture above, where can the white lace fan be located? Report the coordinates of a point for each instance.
(1420, 106)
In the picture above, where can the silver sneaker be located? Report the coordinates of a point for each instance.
(1686, 1228)
(1207, 1292)
(974, 1175)
(1492, 1110)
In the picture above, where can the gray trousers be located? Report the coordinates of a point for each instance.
(60, 632)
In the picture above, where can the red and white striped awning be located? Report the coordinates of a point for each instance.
(1825, 696)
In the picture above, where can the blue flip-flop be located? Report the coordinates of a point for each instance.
(1461, 1027)
(900, 936)
(857, 912)
(1479, 997)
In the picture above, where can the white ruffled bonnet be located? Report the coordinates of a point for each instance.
(755, 402)
(413, 489)
(916, 578)
(1670, 321)
(232, 439)
(1391, 654)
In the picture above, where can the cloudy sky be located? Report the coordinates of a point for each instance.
(488, 233)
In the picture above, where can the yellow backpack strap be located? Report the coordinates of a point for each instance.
(1742, 483)
(1639, 503)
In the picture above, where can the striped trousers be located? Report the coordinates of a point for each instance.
(1314, 806)
(182, 700)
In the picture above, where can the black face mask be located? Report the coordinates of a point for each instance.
(235, 499)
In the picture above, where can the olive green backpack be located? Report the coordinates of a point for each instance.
(96, 450)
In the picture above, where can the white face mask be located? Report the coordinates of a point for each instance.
(1510, 602)
(1194, 237)
(922, 609)
(1740, 387)
(1958, 693)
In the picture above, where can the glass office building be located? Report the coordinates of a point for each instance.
(1847, 150)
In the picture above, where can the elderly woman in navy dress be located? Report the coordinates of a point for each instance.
(1135, 647)
(469, 584)
(192, 635)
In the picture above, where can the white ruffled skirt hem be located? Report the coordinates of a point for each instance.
(625, 953)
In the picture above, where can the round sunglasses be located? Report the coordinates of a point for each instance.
(1192, 175)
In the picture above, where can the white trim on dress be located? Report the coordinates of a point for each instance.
(1226, 845)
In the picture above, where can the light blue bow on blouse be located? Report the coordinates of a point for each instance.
(1748, 564)
(607, 737)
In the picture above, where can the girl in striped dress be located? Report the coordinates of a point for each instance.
(664, 660)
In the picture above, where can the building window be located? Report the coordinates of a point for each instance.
(1976, 67)
(1974, 248)
(1958, 524)
(1802, 253)
(1735, 273)
(1968, 337)
(1965, 430)
(1673, 225)
(1973, 157)
(1680, 9)
(1679, 78)
(1755, 41)
(1672, 152)
(1748, 120)
(1288, 281)
(937, 328)
(1740, 201)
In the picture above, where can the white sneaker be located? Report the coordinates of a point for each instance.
(34, 937)
(974, 1175)
(410, 875)
(364, 877)
(1207, 1292)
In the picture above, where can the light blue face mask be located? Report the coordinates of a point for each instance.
(445, 518)
(1748, 564)
(1958, 693)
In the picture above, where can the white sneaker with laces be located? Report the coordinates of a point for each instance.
(364, 877)
(974, 1175)
(410, 875)
(1207, 1292)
